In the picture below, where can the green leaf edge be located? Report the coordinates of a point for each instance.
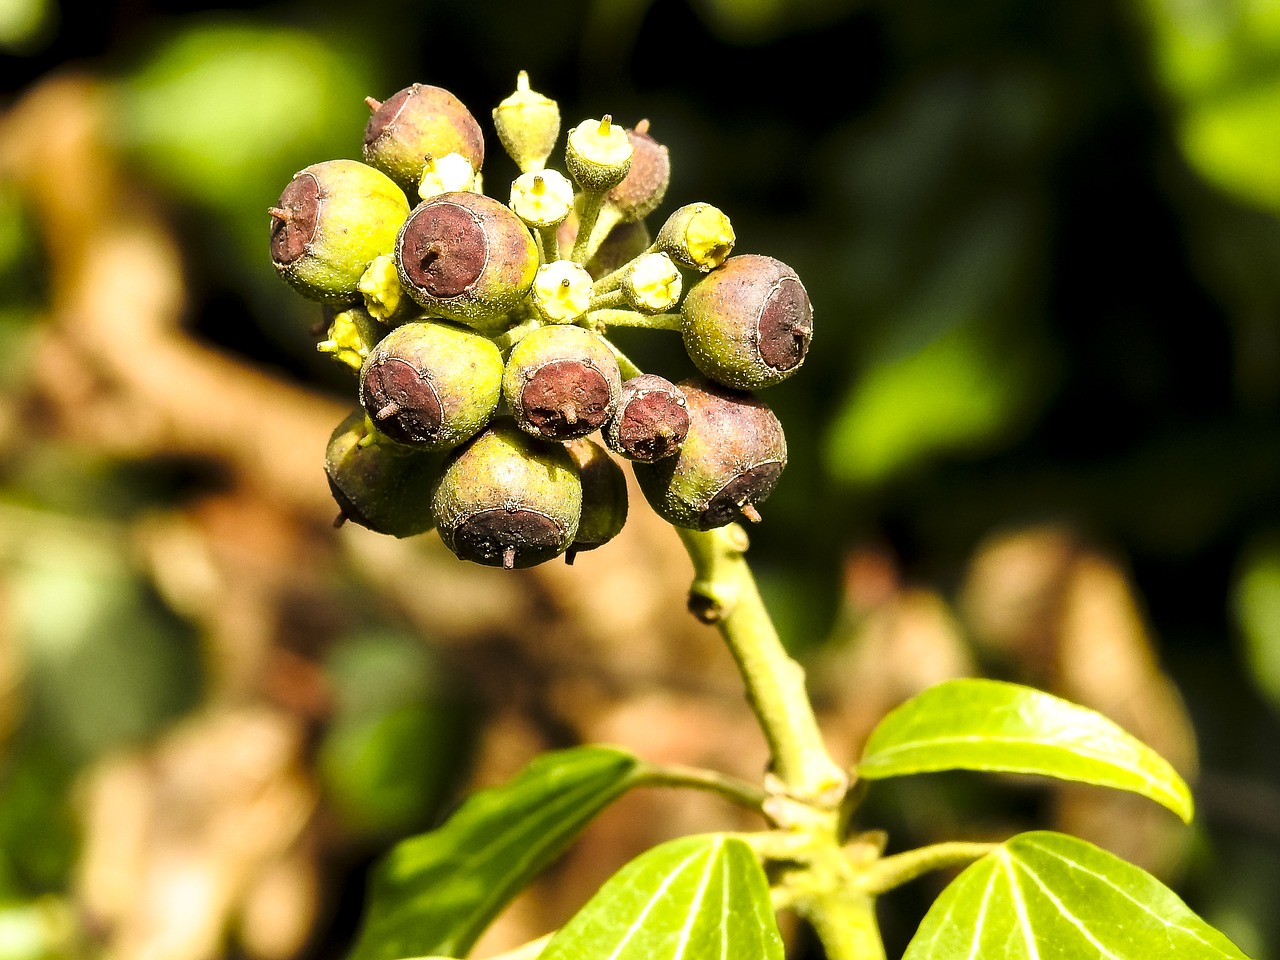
(632, 773)
(1173, 794)
(999, 857)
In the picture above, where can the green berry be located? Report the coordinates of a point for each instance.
(329, 223)
(431, 384)
(651, 421)
(561, 382)
(604, 496)
(466, 257)
(748, 323)
(414, 124)
(379, 484)
(727, 465)
(528, 124)
(507, 499)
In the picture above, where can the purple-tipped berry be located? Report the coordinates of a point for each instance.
(727, 466)
(651, 421)
(507, 499)
(431, 384)
(414, 124)
(645, 185)
(467, 257)
(748, 323)
(561, 382)
(329, 223)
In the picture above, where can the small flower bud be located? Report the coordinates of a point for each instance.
(748, 323)
(604, 496)
(598, 154)
(431, 384)
(528, 124)
(542, 198)
(561, 382)
(383, 296)
(352, 334)
(507, 499)
(651, 421)
(414, 124)
(330, 221)
(466, 256)
(653, 284)
(378, 484)
(645, 185)
(451, 173)
(698, 236)
(561, 291)
(728, 464)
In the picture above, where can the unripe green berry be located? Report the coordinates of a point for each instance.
(604, 496)
(414, 124)
(331, 220)
(651, 421)
(561, 382)
(528, 124)
(598, 154)
(645, 185)
(507, 499)
(728, 464)
(467, 257)
(748, 323)
(698, 236)
(431, 384)
(379, 484)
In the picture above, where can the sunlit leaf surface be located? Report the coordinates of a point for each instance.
(989, 725)
(1048, 896)
(696, 898)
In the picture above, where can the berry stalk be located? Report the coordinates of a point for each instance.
(724, 593)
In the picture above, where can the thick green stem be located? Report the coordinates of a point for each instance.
(724, 593)
(845, 922)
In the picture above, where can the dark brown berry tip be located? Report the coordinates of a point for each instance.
(509, 538)
(443, 249)
(564, 399)
(786, 324)
(651, 421)
(403, 403)
(294, 218)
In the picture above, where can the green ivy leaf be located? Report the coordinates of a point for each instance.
(989, 725)
(435, 893)
(695, 897)
(1043, 894)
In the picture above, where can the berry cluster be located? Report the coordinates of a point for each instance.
(479, 332)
